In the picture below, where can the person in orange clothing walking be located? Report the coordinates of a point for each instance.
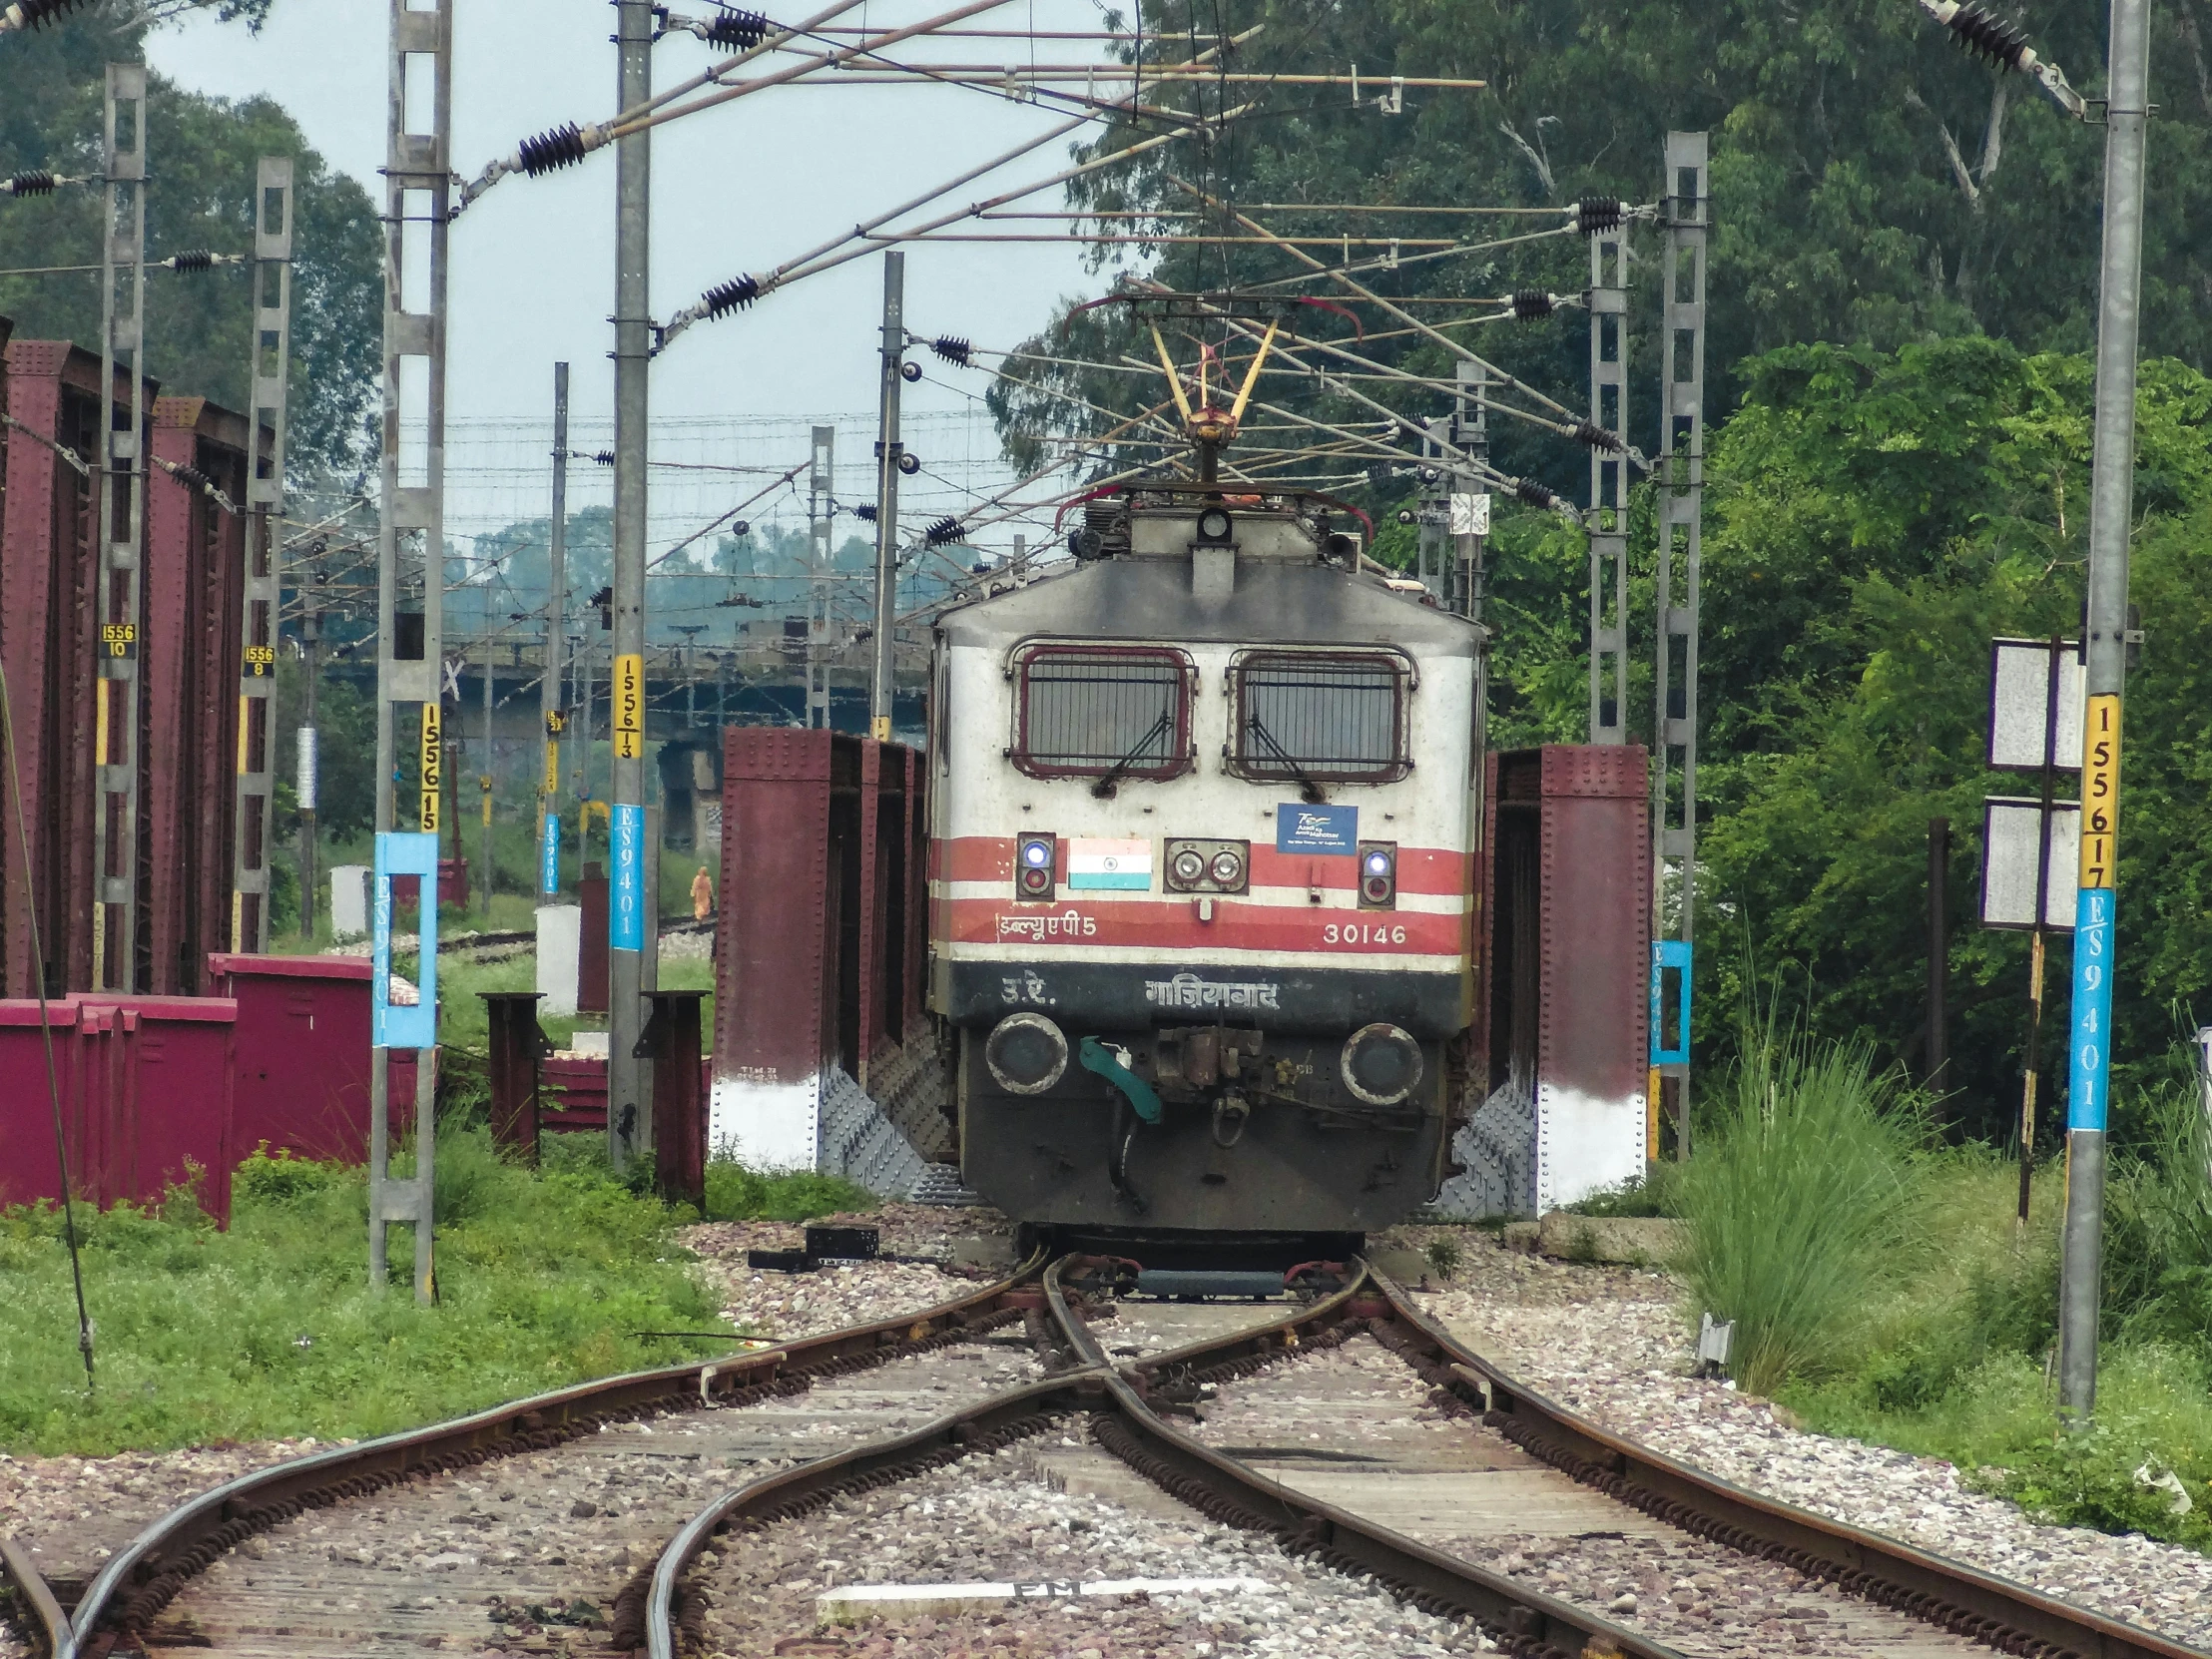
(702, 895)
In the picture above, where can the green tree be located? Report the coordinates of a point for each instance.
(202, 152)
(1871, 186)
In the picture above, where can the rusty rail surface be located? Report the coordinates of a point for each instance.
(139, 1580)
(51, 1622)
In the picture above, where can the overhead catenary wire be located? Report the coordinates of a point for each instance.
(1344, 281)
(567, 145)
(741, 291)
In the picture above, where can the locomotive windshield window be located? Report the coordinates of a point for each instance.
(1102, 711)
(1306, 716)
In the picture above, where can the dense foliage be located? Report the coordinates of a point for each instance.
(1901, 293)
(202, 152)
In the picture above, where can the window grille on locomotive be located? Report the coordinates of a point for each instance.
(1305, 716)
(1102, 711)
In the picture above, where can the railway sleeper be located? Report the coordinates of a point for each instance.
(159, 1582)
(1984, 1628)
(1310, 1538)
(627, 1622)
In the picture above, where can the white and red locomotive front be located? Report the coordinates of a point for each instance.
(1203, 816)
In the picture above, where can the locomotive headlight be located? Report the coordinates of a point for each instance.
(1377, 876)
(1025, 1053)
(1033, 861)
(1382, 1065)
(1206, 865)
(1213, 525)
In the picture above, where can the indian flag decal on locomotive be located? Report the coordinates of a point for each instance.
(1100, 862)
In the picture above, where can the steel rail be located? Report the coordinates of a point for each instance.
(17, 1567)
(1529, 1624)
(138, 1579)
(1943, 1591)
(984, 1426)
(1523, 1621)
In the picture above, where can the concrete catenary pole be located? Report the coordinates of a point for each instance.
(2111, 506)
(122, 460)
(410, 541)
(632, 916)
(881, 686)
(556, 641)
(253, 820)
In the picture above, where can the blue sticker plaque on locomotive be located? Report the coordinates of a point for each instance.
(1303, 829)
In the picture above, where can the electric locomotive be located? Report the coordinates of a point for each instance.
(1204, 814)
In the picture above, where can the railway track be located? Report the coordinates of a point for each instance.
(1352, 1432)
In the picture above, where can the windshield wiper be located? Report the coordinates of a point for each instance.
(1313, 790)
(1104, 787)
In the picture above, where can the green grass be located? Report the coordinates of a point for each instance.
(270, 1328)
(1892, 1294)
(1799, 1210)
(735, 1193)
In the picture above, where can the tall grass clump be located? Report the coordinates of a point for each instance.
(1797, 1210)
(736, 1193)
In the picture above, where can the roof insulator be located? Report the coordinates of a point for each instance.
(1986, 35)
(733, 296)
(741, 31)
(1531, 303)
(29, 14)
(1597, 215)
(953, 349)
(550, 152)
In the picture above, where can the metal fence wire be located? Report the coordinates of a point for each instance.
(1321, 715)
(1086, 711)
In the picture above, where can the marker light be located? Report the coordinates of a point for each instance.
(1377, 876)
(1213, 525)
(1034, 857)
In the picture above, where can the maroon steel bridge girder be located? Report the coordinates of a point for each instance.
(514, 1044)
(30, 521)
(49, 570)
(679, 1101)
(1596, 1028)
(774, 1007)
(189, 660)
(592, 966)
(915, 985)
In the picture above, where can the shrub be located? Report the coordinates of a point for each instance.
(1797, 1210)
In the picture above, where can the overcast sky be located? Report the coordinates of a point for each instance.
(739, 188)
